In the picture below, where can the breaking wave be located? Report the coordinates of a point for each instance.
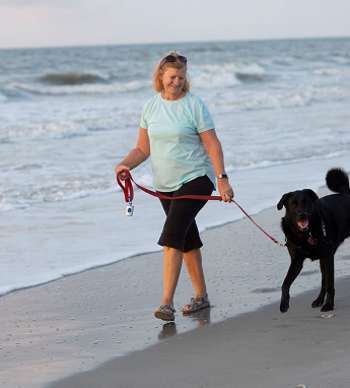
(85, 88)
(226, 75)
(72, 78)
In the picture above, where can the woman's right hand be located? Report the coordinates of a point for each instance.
(120, 171)
(225, 190)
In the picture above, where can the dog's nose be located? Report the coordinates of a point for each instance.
(303, 214)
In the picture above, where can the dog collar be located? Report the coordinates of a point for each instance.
(311, 240)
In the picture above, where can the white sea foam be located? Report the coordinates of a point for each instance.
(39, 130)
(3, 98)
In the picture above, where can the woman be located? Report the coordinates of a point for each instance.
(177, 132)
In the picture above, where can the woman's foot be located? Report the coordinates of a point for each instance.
(196, 304)
(165, 312)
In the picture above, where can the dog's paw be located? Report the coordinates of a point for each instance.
(284, 306)
(327, 307)
(317, 302)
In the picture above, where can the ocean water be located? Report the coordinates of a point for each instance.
(68, 115)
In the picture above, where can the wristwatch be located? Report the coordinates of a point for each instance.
(222, 176)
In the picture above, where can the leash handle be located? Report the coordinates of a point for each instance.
(127, 187)
(128, 191)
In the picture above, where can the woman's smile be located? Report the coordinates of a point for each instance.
(173, 83)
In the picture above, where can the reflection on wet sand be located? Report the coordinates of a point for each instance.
(168, 330)
(202, 318)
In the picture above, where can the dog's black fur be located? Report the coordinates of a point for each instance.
(314, 228)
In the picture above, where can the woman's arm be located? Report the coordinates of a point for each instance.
(137, 155)
(213, 148)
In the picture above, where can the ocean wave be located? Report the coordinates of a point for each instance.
(251, 73)
(72, 78)
(69, 188)
(8, 93)
(265, 100)
(66, 126)
(226, 75)
(51, 130)
(27, 167)
(276, 99)
(89, 89)
(332, 71)
(4, 207)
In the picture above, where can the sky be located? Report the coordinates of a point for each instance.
(41, 23)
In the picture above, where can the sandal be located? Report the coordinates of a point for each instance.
(165, 312)
(196, 304)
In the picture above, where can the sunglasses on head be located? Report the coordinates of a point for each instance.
(174, 58)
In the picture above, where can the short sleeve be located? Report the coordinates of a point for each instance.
(143, 121)
(203, 118)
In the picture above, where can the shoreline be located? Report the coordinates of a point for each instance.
(70, 252)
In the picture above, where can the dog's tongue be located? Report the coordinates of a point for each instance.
(303, 224)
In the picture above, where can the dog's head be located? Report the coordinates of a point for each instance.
(299, 206)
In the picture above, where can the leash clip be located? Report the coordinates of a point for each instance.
(129, 211)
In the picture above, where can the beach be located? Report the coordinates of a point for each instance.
(103, 318)
(79, 281)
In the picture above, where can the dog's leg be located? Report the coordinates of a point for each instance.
(318, 302)
(329, 280)
(295, 267)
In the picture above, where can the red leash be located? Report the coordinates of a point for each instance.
(128, 191)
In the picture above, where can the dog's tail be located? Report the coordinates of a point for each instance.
(338, 181)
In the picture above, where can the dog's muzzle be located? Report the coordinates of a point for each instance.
(303, 222)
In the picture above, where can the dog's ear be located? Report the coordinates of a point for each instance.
(311, 194)
(283, 200)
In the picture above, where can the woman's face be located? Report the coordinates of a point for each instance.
(173, 82)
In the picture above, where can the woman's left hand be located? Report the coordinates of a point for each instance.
(225, 190)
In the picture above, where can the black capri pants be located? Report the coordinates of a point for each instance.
(180, 230)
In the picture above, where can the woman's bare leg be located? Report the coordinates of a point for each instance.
(172, 262)
(193, 262)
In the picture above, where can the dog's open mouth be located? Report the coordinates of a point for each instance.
(303, 224)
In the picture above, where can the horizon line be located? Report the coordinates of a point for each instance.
(174, 42)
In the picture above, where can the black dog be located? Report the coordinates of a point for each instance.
(314, 228)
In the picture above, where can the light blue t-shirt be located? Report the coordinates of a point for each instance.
(177, 154)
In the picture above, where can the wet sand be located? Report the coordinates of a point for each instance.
(263, 349)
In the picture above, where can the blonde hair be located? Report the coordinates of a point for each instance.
(162, 66)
